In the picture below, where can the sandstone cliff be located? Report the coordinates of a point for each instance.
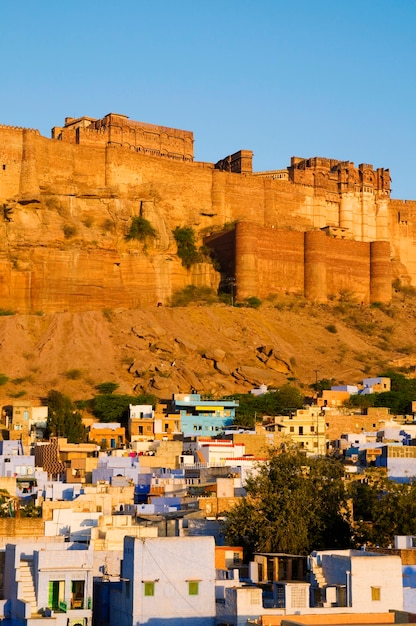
(66, 204)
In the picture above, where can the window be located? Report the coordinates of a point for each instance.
(193, 587)
(77, 594)
(300, 430)
(56, 595)
(149, 588)
(292, 429)
(375, 594)
(236, 558)
(312, 429)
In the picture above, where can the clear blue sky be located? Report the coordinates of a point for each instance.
(300, 77)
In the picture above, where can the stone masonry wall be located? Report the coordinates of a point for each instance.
(66, 205)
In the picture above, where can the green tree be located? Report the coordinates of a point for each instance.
(293, 504)
(187, 250)
(322, 384)
(115, 407)
(382, 508)
(398, 399)
(285, 399)
(63, 418)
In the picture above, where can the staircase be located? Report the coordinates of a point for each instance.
(318, 574)
(318, 582)
(26, 584)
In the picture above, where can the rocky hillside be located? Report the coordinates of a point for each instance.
(214, 349)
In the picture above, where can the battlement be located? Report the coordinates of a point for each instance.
(118, 129)
(339, 176)
(19, 128)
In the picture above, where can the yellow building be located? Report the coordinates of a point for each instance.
(167, 425)
(306, 427)
(109, 435)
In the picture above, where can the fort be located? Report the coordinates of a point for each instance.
(318, 227)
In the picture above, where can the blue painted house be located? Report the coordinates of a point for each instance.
(202, 417)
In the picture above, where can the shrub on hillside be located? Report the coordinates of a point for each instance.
(192, 294)
(187, 250)
(140, 229)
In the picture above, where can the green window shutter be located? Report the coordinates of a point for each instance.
(149, 589)
(50, 594)
(193, 588)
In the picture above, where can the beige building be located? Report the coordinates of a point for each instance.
(306, 427)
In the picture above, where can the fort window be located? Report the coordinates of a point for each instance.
(4, 166)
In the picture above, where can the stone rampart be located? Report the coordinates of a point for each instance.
(66, 204)
(311, 264)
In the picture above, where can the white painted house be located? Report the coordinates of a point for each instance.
(46, 582)
(363, 581)
(165, 580)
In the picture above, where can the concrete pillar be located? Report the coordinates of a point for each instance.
(315, 282)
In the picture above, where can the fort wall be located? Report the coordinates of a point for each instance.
(317, 228)
(268, 261)
(311, 264)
